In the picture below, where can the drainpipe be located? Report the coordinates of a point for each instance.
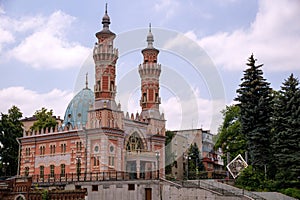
(19, 157)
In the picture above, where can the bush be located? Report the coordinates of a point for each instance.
(250, 179)
(293, 192)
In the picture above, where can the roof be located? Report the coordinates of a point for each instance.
(77, 110)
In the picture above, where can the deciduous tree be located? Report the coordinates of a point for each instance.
(10, 129)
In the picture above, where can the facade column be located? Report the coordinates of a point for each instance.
(138, 165)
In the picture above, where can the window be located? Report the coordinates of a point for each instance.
(51, 171)
(26, 171)
(94, 187)
(96, 149)
(96, 161)
(131, 187)
(62, 170)
(27, 151)
(111, 148)
(42, 171)
(52, 149)
(42, 150)
(63, 148)
(111, 161)
(78, 166)
(134, 143)
(79, 146)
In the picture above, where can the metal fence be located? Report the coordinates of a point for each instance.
(90, 177)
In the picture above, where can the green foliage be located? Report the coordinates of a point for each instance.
(230, 137)
(250, 179)
(293, 192)
(255, 102)
(45, 194)
(10, 129)
(169, 137)
(286, 130)
(169, 156)
(195, 165)
(44, 120)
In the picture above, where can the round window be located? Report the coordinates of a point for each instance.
(111, 148)
(96, 149)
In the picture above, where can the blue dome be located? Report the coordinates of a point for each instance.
(77, 110)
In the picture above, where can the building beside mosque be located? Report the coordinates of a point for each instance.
(96, 135)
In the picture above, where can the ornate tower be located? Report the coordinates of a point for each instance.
(149, 72)
(105, 58)
(105, 112)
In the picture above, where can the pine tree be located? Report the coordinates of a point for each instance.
(286, 122)
(255, 102)
(195, 164)
(10, 129)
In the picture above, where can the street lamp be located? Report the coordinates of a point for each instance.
(187, 165)
(4, 167)
(157, 158)
(78, 165)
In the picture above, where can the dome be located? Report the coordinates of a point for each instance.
(77, 110)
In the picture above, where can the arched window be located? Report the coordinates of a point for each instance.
(62, 170)
(134, 143)
(52, 169)
(26, 171)
(42, 171)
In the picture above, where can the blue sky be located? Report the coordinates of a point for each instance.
(44, 49)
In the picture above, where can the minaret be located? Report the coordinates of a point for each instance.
(105, 58)
(149, 72)
(105, 111)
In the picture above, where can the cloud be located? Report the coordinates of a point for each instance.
(45, 44)
(29, 101)
(273, 37)
(195, 112)
(168, 7)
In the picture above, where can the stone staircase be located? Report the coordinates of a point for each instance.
(219, 188)
(228, 189)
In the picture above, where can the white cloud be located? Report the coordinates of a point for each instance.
(273, 37)
(168, 7)
(45, 44)
(29, 101)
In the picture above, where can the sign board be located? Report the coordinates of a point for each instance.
(236, 166)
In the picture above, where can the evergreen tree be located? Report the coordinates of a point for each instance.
(45, 120)
(10, 129)
(255, 100)
(230, 137)
(195, 164)
(286, 123)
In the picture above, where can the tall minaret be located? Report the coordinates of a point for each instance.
(105, 112)
(105, 58)
(149, 72)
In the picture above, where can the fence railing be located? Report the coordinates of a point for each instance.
(100, 176)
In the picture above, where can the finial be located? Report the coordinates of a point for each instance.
(150, 39)
(106, 19)
(86, 81)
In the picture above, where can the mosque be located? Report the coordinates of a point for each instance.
(96, 136)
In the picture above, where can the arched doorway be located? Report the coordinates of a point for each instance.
(135, 147)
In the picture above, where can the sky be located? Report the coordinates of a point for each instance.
(46, 46)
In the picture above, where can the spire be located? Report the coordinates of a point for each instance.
(86, 81)
(150, 39)
(106, 19)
